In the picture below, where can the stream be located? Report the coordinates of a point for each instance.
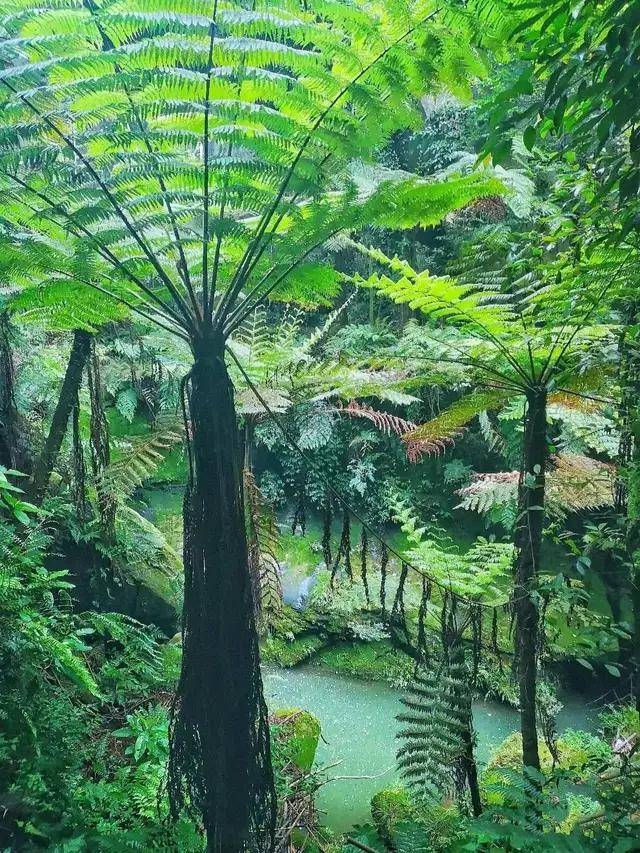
(358, 718)
(359, 726)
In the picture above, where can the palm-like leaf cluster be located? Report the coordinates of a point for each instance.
(187, 159)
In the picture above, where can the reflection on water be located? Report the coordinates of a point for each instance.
(359, 731)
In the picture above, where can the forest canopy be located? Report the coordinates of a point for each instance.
(319, 378)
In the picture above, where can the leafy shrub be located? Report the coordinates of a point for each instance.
(579, 755)
(83, 717)
(389, 808)
(402, 820)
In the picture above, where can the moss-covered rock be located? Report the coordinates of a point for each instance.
(145, 557)
(298, 733)
(288, 653)
(373, 661)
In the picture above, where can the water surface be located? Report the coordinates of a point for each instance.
(359, 728)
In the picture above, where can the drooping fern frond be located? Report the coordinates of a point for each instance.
(320, 335)
(478, 575)
(384, 421)
(248, 404)
(494, 440)
(487, 491)
(262, 540)
(138, 458)
(433, 722)
(467, 306)
(450, 423)
(575, 483)
(581, 484)
(584, 426)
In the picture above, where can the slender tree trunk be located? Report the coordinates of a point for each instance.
(68, 395)
(470, 766)
(633, 552)
(249, 429)
(627, 495)
(9, 418)
(220, 753)
(528, 541)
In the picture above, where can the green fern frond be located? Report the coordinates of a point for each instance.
(432, 727)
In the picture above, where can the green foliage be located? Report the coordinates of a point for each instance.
(10, 503)
(580, 756)
(34, 640)
(578, 89)
(290, 652)
(83, 747)
(479, 573)
(433, 722)
(376, 660)
(620, 720)
(529, 813)
(405, 823)
(388, 808)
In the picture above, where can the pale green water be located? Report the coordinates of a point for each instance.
(359, 731)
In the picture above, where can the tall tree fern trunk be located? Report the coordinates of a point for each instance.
(220, 754)
(68, 395)
(528, 542)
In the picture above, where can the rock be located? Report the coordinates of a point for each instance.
(301, 731)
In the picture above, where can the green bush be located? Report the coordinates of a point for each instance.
(373, 661)
(395, 810)
(623, 720)
(83, 746)
(389, 808)
(579, 755)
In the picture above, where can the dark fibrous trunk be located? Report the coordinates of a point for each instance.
(528, 542)
(220, 764)
(79, 468)
(469, 761)
(66, 401)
